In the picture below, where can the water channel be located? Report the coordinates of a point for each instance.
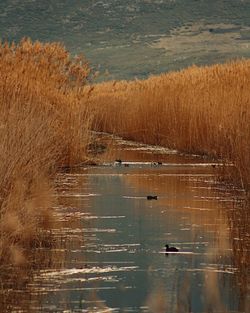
(110, 255)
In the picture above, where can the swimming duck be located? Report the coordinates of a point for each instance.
(152, 197)
(156, 163)
(171, 249)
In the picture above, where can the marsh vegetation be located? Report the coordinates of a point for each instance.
(199, 110)
(109, 252)
(48, 110)
(44, 124)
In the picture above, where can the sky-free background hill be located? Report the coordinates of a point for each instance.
(134, 38)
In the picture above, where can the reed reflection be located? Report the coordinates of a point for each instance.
(25, 288)
(207, 210)
(107, 248)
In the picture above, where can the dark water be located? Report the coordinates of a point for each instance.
(135, 38)
(109, 250)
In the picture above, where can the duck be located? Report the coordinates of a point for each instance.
(156, 163)
(151, 197)
(171, 249)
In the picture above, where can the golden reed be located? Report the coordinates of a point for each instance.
(203, 110)
(44, 123)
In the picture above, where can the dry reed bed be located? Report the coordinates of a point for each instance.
(203, 110)
(44, 123)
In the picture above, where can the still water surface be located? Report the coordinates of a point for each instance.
(110, 256)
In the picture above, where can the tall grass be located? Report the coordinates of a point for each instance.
(203, 110)
(44, 123)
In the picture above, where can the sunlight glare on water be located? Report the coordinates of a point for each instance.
(109, 253)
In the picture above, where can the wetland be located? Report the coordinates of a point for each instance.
(108, 246)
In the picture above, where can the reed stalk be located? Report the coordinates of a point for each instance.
(44, 123)
(204, 110)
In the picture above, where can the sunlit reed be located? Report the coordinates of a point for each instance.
(203, 110)
(44, 123)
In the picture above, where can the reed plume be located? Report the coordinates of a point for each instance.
(44, 123)
(203, 110)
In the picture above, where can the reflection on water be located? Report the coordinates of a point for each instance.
(108, 252)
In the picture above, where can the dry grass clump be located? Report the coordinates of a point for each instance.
(202, 110)
(44, 123)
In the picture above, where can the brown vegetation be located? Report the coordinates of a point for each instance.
(46, 112)
(203, 110)
(44, 123)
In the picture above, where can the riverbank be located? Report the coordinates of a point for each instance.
(44, 123)
(48, 112)
(201, 110)
(110, 239)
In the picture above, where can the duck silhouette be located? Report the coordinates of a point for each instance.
(171, 249)
(156, 163)
(152, 197)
